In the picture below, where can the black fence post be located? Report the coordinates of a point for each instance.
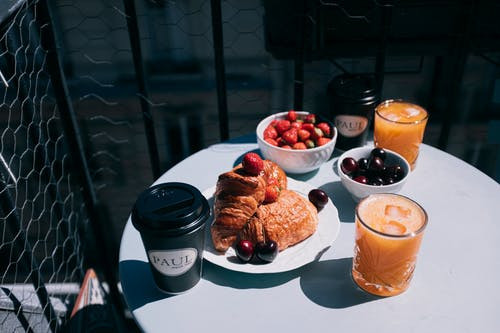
(298, 68)
(387, 8)
(78, 159)
(459, 55)
(220, 70)
(140, 75)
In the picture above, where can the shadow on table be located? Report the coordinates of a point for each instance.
(303, 177)
(341, 199)
(223, 277)
(335, 169)
(140, 285)
(329, 284)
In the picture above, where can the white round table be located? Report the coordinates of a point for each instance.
(455, 287)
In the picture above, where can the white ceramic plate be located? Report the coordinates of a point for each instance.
(293, 257)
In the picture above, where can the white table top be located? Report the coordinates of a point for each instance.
(455, 287)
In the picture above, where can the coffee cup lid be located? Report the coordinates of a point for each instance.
(354, 88)
(174, 208)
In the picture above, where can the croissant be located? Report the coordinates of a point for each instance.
(237, 197)
(287, 221)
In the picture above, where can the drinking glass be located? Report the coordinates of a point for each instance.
(400, 126)
(389, 230)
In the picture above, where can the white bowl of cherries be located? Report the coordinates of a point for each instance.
(364, 171)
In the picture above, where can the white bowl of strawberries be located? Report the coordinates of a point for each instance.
(297, 141)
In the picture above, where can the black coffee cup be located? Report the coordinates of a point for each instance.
(171, 219)
(352, 102)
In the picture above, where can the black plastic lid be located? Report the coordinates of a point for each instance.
(173, 208)
(354, 88)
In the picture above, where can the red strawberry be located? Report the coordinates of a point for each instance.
(271, 141)
(310, 118)
(322, 141)
(280, 141)
(308, 127)
(303, 135)
(290, 136)
(252, 164)
(292, 116)
(282, 126)
(272, 193)
(300, 146)
(270, 132)
(310, 144)
(274, 122)
(286, 147)
(296, 125)
(317, 133)
(325, 128)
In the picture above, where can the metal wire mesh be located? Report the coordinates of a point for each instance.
(42, 216)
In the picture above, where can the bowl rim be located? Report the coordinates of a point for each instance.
(367, 186)
(296, 151)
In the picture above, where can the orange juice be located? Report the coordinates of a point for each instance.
(399, 126)
(389, 230)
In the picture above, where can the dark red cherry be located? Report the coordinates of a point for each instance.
(244, 250)
(361, 179)
(378, 152)
(389, 181)
(318, 198)
(266, 251)
(399, 173)
(349, 165)
(363, 164)
(396, 172)
(376, 164)
(376, 181)
(360, 172)
(389, 171)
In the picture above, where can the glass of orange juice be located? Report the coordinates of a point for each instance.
(389, 230)
(399, 126)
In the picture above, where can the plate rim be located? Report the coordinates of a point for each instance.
(268, 268)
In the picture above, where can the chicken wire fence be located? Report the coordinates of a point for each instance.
(42, 212)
